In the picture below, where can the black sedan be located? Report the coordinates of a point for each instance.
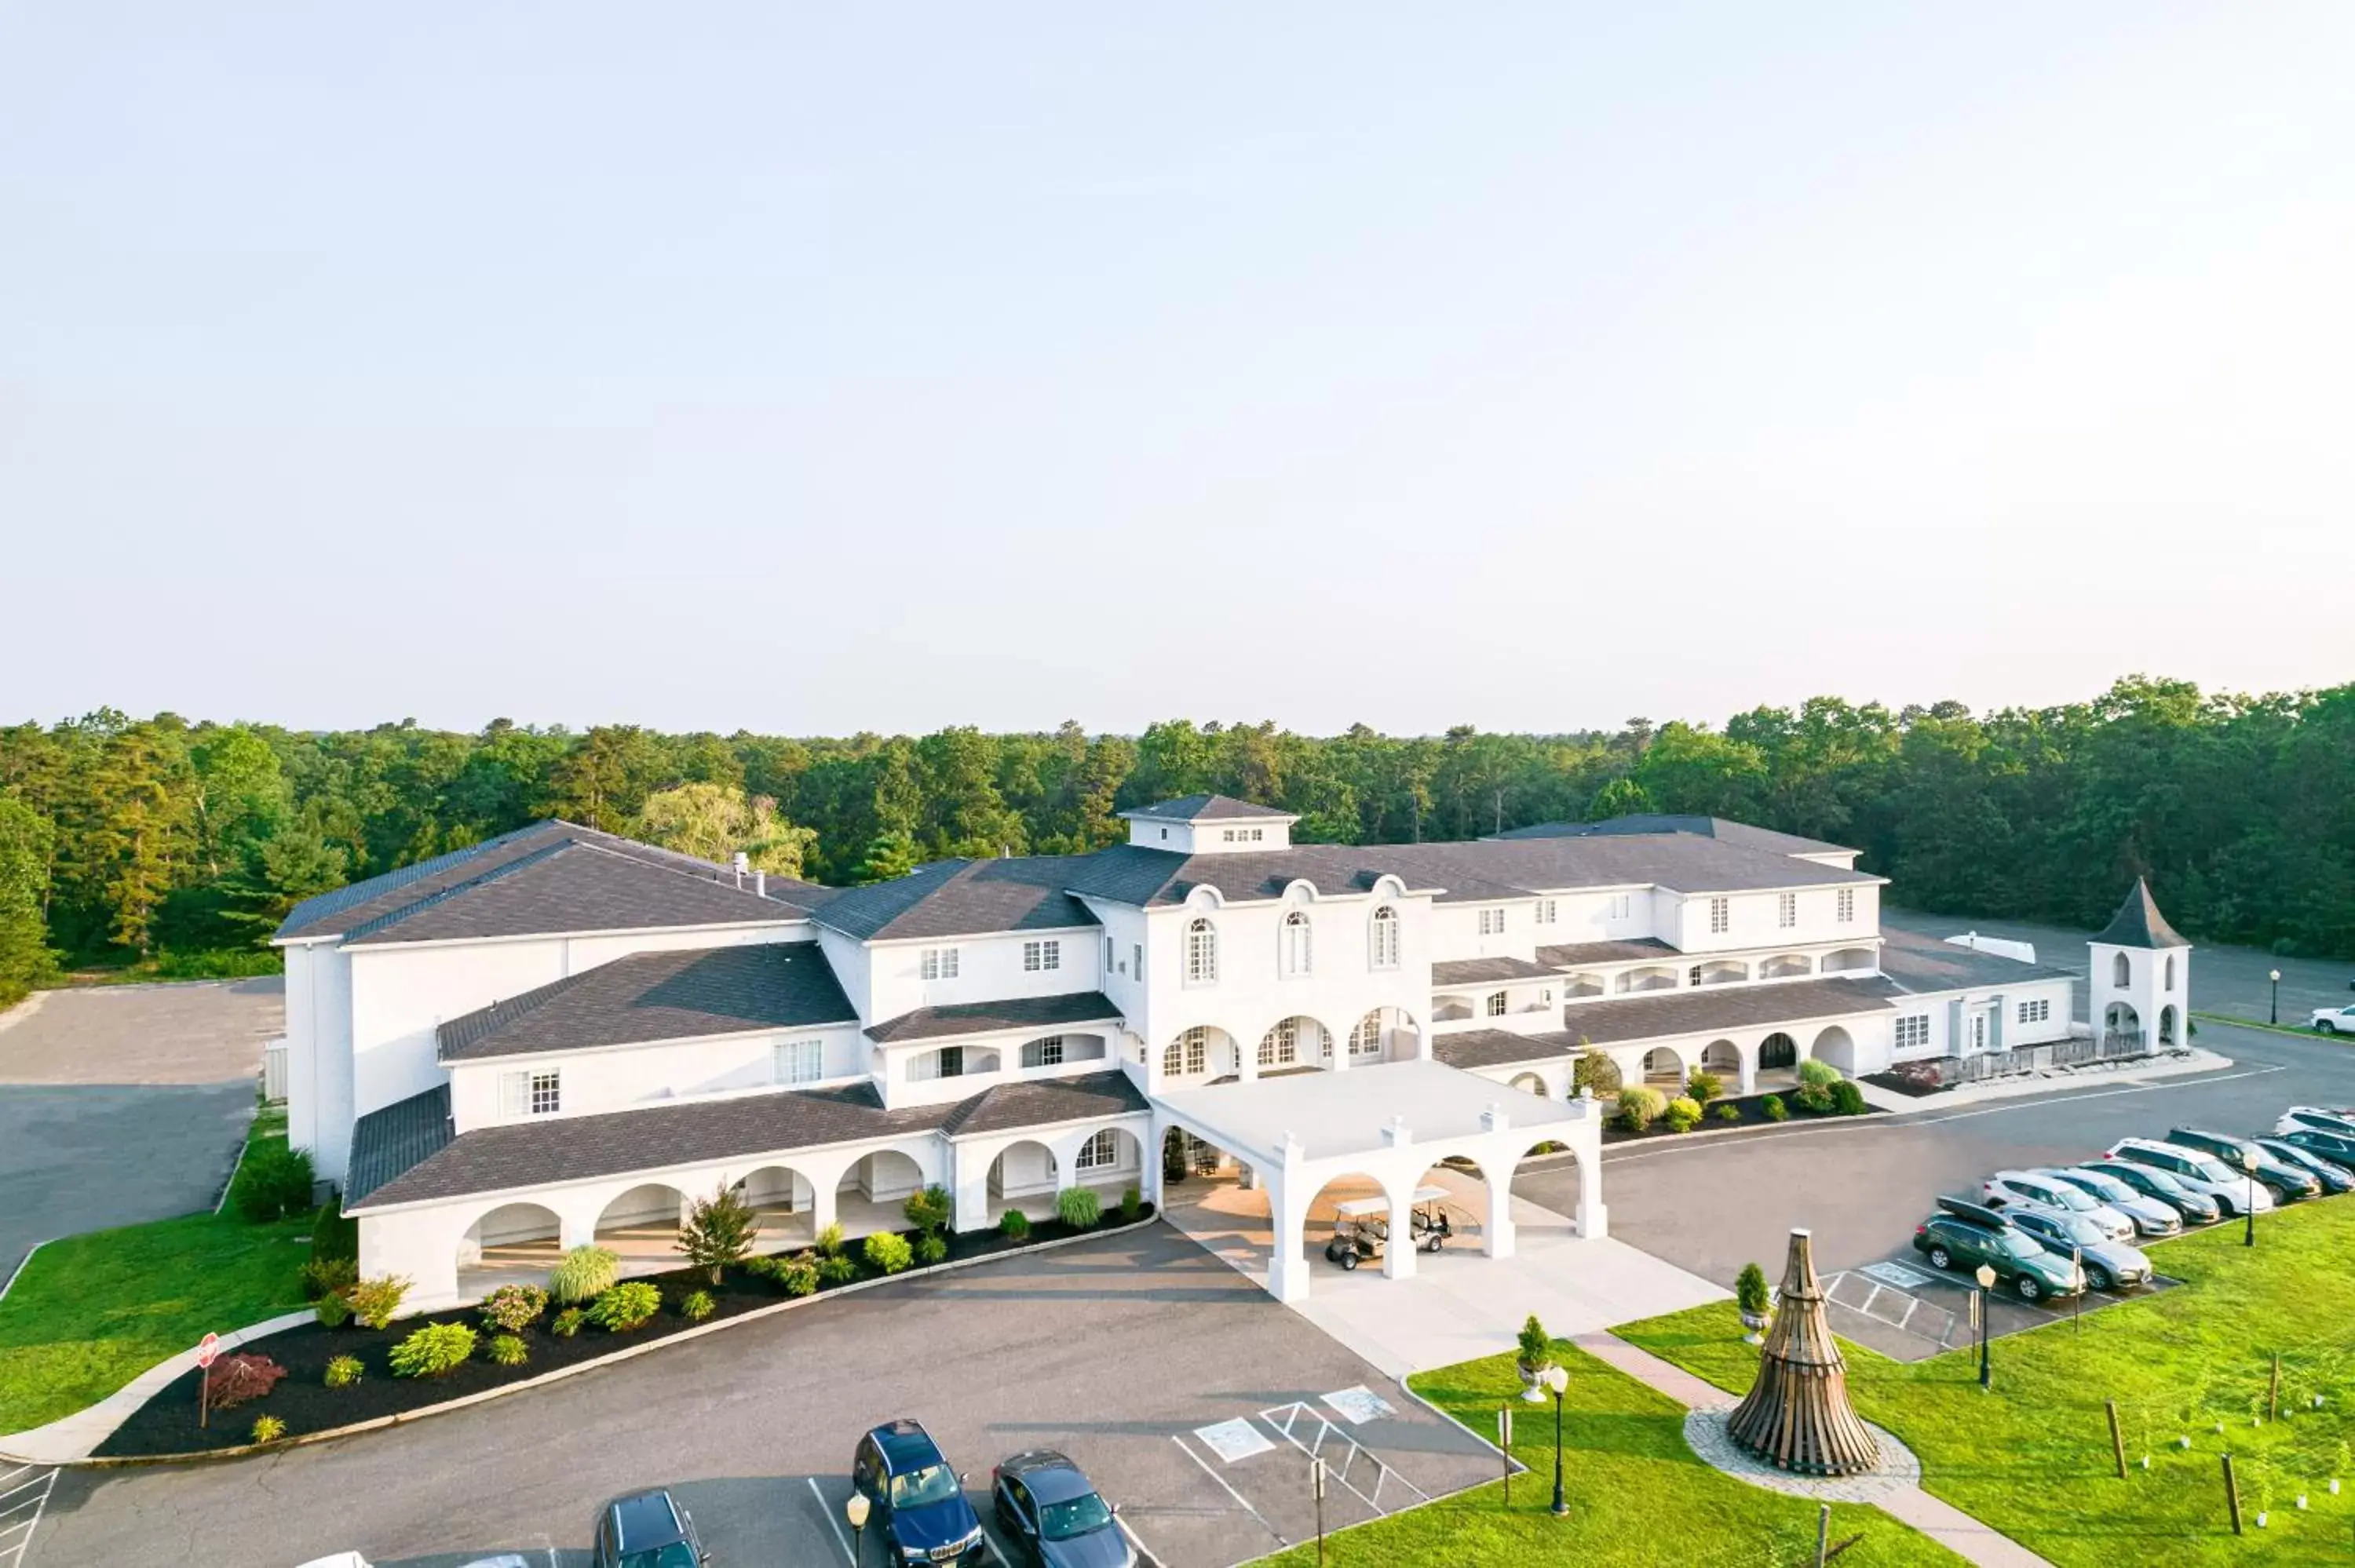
(2333, 1177)
(1051, 1515)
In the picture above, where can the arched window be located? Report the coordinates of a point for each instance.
(1496, 1005)
(1366, 1039)
(1189, 1053)
(1279, 1047)
(1292, 948)
(1201, 952)
(2121, 971)
(2170, 973)
(1386, 939)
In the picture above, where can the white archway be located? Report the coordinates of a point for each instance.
(1846, 960)
(1653, 977)
(1663, 1069)
(1023, 1176)
(1836, 1047)
(1784, 966)
(784, 1201)
(511, 1243)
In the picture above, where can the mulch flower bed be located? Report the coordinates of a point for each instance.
(1750, 1107)
(1910, 1086)
(167, 1423)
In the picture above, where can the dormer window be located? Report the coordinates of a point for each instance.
(1385, 955)
(1786, 910)
(1201, 952)
(531, 1092)
(939, 963)
(1492, 922)
(1293, 955)
(1721, 916)
(1042, 956)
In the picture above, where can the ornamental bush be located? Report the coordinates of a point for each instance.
(567, 1323)
(323, 1277)
(696, 1304)
(1078, 1208)
(1772, 1109)
(1683, 1114)
(1535, 1345)
(929, 1209)
(508, 1349)
(345, 1371)
(838, 1269)
(267, 1429)
(1814, 1097)
(829, 1240)
(240, 1379)
(1702, 1086)
(888, 1251)
(437, 1350)
(1750, 1292)
(333, 1311)
(272, 1181)
(799, 1277)
(1847, 1100)
(932, 1247)
(622, 1308)
(513, 1308)
(1819, 1074)
(582, 1274)
(717, 1231)
(1013, 1225)
(1726, 1112)
(1640, 1105)
(377, 1302)
(1132, 1205)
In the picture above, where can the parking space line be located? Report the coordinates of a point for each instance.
(831, 1523)
(1134, 1540)
(14, 1555)
(1285, 1418)
(1280, 1539)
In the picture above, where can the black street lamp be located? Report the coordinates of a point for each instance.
(1555, 1381)
(1985, 1277)
(2249, 1164)
(2273, 1015)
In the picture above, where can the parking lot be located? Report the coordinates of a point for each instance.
(1122, 1352)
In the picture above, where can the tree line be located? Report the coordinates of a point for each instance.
(124, 839)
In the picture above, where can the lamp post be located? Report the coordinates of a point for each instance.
(1985, 1277)
(855, 1510)
(2249, 1210)
(1556, 1380)
(2273, 1013)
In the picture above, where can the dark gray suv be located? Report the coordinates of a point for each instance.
(647, 1530)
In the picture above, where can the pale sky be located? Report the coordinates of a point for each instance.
(1526, 367)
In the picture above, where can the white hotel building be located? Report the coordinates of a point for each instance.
(559, 1035)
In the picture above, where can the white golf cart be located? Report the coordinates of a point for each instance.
(1362, 1227)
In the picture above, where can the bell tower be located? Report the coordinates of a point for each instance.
(2140, 984)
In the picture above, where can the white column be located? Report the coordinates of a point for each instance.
(1497, 1236)
(1397, 1253)
(1593, 1219)
(1287, 1264)
(823, 1188)
(1748, 1079)
(970, 1183)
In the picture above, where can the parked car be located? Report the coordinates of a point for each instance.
(2337, 1148)
(2203, 1173)
(917, 1501)
(1051, 1515)
(2024, 1189)
(2109, 1265)
(2334, 1179)
(2197, 1208)
(647, 1530)
(2151, 1217)
(2320, 1118)
(1964, 1235)
(2285, 1181)
(2335, 1020)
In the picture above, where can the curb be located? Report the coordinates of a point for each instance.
(23, 1009)
(17, 1273)
(124, 1461)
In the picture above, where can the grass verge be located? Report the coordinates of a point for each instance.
(93, 1311)
(2033, 1458)
(1632, 1486)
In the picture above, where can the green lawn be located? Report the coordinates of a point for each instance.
(1634, 1486)
(92, 1312)
(2033, 1458)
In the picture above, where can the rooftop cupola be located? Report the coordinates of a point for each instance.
(1210, 824)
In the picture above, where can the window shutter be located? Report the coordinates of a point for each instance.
(514, 1094)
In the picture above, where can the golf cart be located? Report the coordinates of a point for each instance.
(1362, 1227)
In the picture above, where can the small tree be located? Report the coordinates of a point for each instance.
(1750, 1292)
(1595, 1070)
(1703, 1086)
(717, 1231)
(1534, 1347)
(929, 1209)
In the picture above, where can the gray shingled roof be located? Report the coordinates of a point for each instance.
(1473, 1048)
(1204, 809)
(2139, 923)
(1481, 971)
(658, 996)
(398, 1137)
(1635, 950)
(965, 897)
(585, 1148)
(550, 876)
(988, 1017)
(1723, 1006)
(1646, 822)
(1923, 964)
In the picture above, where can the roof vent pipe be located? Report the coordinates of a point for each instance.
(761, 884)
(743, 863)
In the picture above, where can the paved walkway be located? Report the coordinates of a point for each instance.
(1949, 1526)
(2195, 1060)
(75, 1436)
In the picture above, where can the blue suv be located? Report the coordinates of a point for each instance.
(918, 1501)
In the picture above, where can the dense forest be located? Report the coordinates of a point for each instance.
(176, 847)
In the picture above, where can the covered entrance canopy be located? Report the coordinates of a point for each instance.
(1387, 1124)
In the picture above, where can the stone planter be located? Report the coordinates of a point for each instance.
(1755, 1323)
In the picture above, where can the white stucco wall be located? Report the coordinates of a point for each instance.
(989, 969)
(620, 1076)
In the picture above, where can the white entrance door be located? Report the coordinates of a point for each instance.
(1978, 1030)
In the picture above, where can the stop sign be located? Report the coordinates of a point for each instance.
(207, 1349)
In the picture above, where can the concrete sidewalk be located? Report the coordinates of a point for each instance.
(2096, 1076)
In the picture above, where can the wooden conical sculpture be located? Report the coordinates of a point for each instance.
(1798, 1416)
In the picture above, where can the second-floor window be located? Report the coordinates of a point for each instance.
(799, 1060)
(1279, 1047)
(531, 1092)
(1496, 1005)
(1721, 916)
(1293, 956)
(1847, 906)
(1037, 956)
(952, 1060)
(1386, 939)
(1366, 1039)
(1545, 911)
(1189, 1053)
(1786, 910)
(1492, 922)
(2039, 1012)
(939, 963)
(1046, 1052)
(1201, 952)
(1621, 904)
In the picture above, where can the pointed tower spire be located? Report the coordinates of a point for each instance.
(1798, 1416)
(2139, 923)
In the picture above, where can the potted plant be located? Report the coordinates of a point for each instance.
(1535, 1348)
(1749, 1293)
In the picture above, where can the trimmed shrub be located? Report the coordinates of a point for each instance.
(240, 1379)
(345, 1371)
(1848, 1099)
(696, 1304)
(622, 1308)
(1535, 1346)
(267, 1429)
(323, 1277)
(888, 1251)
(582, 1274)
(717, 1231)
(1132, 1205)
(1772, 1109)
(567, 1323)
(437, 1350)
(1726, 1112)
(1640, 1105)
(508, 1349)
(829, 1240)
(929, 1209)
(838, 1269)
(1013, 1225)
(377, 1302)
(1819, 1074)
(272, 1181)
(1702, 1086)
(1814, 1097)
(1683, 1114)
(1595, 1070)
(1078, 1208)
(799, 1277)
(513, 1308)
(932, 1247)
(1750, 1292)
(333, 1311)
